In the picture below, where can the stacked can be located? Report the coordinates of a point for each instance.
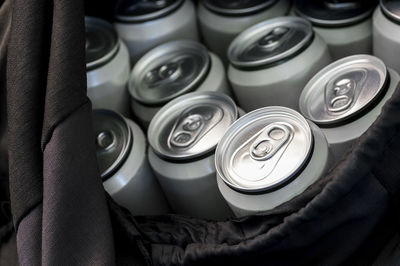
(386, 33)
(346, 97)
(125, 171)
(107, 65)
(271, 62)
(267, 157)
(171, 70)
(221, 21)
(183, 136)
(346, 26)
(145, 24)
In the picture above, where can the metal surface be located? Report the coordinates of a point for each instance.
(102, 42)
(191, 125)
(270, 41)
(168, 71)
(343, 89)
(391, 8)
(264, 149)
(136, 11)
(113, 141)
(237, 7)
(331, 13)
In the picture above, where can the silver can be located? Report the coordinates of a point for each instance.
(145, 24)
(386, 33)
(124, 168)
(183, 136)
(271, 62)
(267, 157)
(346, 26)
(170, 70)
(221, 21)
(107, 67)
(346, 97)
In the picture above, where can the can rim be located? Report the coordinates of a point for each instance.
(239, 12)
(393, 17)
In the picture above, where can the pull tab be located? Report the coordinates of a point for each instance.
(187, 131)
(269, 142)
(106, 140)
(342, 4)
(165, 73)
(274, 38)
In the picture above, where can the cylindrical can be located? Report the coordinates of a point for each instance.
(170, 70)
(183, 136)
(386, 32)
(271, 62)
(221, 21)
(145, 24)
(107, 66)
(346, 26)
(267, 157)
(124, 168)
(346, 97)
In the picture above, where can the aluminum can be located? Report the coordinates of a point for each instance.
(170, 70)
(107, 67)
(346, 26)
(267, 157)
(145, 24)
(221, 21)
(272, 61)
(124, 168)
(183, 136)
(386, 32)
(346, 97)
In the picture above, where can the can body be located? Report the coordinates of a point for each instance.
(191, 187)
(341, 138)
(386, 42)
(218, 31)
(141, 37)
(279, 84)
(133, 185)
(347, 40)
(214, 81)
(243, 204)
(107, 84)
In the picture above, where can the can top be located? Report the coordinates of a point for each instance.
(168, 71)
(264, 149)
(391, 8)
(191, 125)
(343, 89)
(136, 11)
(237, 7)
(113, 141)
(101, 42)
(270, 41)
(332, 13)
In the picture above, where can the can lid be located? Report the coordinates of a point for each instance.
(168, 71)
(391, 8)
(343, 89)
(264, 149)
(191, 125)
(270, 41)
(113, 141)
(334, 12)
(101, 42)
(144, 10)
(237, 7)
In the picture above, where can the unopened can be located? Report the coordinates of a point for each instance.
(221, 21)
(346, 26)
(107, 66)
(170, 70)
(386, 33)
(346, 97)
(267, 157)
(183, 136)
(145, 24)
(123, 164)
(271, 62)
